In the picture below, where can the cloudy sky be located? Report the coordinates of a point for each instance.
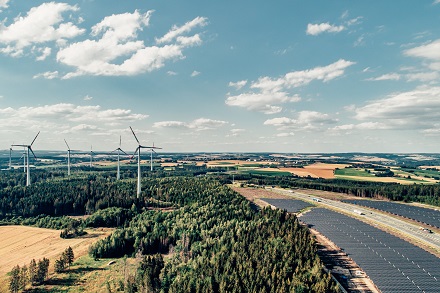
(225, 76)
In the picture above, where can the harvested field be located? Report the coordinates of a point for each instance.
(381, 179)
(20, 244)
(317, 170)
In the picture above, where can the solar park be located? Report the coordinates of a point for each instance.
(423, 215)
(393, 264)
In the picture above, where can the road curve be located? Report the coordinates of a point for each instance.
(408, 231)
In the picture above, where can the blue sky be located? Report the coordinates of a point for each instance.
(221, 76)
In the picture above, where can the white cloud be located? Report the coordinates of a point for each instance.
(436, 2)
(195, 73)
(429, 51)
(47, 75)
(170, 124)
(45, 52)
(71, 112)
(4, 4)
(416, 109)
(187, 27)
(305, 120)
(87, 98)
(261, 102)
(316, 29)
(83, 127)
(285, 134)
(119, 41)
(423, 76)
(362, 126)
(388, 76)
(171, 73)
(197, 124)
(238, 85)
(46, 23)
(271, 92)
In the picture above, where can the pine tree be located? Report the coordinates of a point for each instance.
(24, 278)
(15, 282)
(33, 273)
(43, 269)
(69, 255)
(59, 265)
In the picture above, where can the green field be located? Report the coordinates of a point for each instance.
(353, 172)
(268, 173)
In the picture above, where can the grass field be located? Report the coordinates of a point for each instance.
(268, 172)
(353, 172)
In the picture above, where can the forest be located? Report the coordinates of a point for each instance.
(214, 240)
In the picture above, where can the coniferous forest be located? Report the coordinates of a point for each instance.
(214, 240)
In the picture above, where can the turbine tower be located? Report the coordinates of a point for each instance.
(10, 158)
(29, 148)
(151, 155)
(91, 156)
(138, 151)
(68, 158)
(119, 150)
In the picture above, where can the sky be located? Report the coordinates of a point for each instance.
(289, 76)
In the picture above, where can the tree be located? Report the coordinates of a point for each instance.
(33, 273)
(43, 268)
(69, 256)
(59, 265)
(15, 282)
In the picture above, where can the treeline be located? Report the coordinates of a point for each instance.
(424, 193)
(34, 274)
(217, 243)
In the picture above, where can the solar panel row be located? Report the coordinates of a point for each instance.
(393, 264)
(428, 216)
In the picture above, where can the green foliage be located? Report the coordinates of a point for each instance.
(218, 243)
(14, 281)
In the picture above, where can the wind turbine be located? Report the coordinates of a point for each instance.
(29, 148)
(119, 150)
(138, 150)
(151, 155)
(91, 156)
(10, 158)
(68, 158)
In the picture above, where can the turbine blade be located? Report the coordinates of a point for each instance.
(32, 152)
(120, 141)
(136, 151)
(123, 152)
(35, 138)
(135, 136)
(67, 145)
(20, 145)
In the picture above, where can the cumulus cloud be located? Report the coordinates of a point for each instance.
(87, 98)
(285, 134)
(197, 124)
(119, 40)
(316, 29)
(177, 31)
(4, 4)
(195, 73)
(238, 85)
(416, 109)
(47, 25)
(268, 92)
(71, 112)
(304, 120)
(45, 52)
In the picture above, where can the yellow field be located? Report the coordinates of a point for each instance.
(20, 244)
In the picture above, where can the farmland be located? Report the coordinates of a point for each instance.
(20, 244)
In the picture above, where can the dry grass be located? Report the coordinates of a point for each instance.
(20, 244)
(317, 170)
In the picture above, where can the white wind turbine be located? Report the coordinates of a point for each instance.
(151, 155)
(138, 151)
(10, 158)
(68, 157)
(27, 155)
(119, 151)
(91, 156)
